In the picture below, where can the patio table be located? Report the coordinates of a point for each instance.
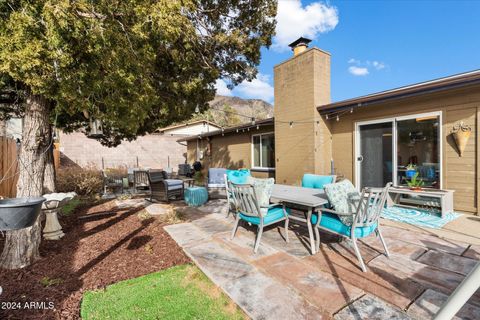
(305, 199)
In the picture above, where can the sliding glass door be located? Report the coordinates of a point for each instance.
(395, 149)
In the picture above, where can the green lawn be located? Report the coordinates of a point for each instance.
(181, 292)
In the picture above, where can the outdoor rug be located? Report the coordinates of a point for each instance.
(419, 217)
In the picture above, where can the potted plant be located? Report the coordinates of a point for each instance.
(415, 183)
(19, 213)
(411, 170)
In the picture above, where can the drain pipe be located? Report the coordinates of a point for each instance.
(460, 296)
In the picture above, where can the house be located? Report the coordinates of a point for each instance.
(369, 140)
(156, 150)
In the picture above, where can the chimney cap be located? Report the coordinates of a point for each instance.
(300, 41)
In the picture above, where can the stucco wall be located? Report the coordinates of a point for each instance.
(459, 173)
(153, 151)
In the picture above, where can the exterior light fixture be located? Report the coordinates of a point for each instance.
(197, 109)
(338, 118)
(253, 121)
(351, 110)
(291, 124)
(258, 127)
(237, 130)
(326, 117)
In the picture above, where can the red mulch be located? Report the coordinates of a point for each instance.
(94, 253)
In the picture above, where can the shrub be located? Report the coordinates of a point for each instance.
(83, 181)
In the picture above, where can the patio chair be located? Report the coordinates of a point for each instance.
(249, 210)
(358, 218)
(140, 180)
(112, 181)
(216, 182)
(164, 189)
(235, 176)
(317, 181)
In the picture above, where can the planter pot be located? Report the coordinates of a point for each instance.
(19, 213)
(416, 188)
(461, 139)
(410, 173)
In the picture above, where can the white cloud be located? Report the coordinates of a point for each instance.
(258, 88)
(378, 65)
(360, 68)
(358, 71)
(222, 89)
(294, 20)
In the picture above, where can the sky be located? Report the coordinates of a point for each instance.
(374, 45)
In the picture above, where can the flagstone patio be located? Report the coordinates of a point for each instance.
(283, 281)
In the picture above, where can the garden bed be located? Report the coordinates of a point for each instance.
(110, 245)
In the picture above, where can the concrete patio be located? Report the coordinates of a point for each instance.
(283, 281)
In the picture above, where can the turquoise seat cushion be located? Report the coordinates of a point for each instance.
(238, 176)
(344, 198)
(316, 181)
(263, 189)
(273, 214)
(332, 222)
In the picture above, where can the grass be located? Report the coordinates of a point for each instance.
(181, 292)
(70, 206)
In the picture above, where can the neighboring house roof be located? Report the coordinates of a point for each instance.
(260, 123)
(181, 125)
(450, 82)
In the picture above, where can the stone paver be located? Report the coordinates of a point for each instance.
(243, 243)
(283, 281)
(211, 225)
(447, 261)
(261, 297)
(386, 285)
(431, 277)
(371, 308)
(217, 263)
(323, 290)
(158, 209)
(409, 250)
(428, 304)
(424, 240)
(185, 233)
(473, 252)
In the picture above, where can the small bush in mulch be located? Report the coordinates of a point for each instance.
(83, 181)
(181, 292)
(102, 245)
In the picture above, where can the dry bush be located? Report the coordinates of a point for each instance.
(84, 181)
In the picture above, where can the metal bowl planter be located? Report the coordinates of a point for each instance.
(19, 213)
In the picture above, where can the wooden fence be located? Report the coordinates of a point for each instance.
(8, 168)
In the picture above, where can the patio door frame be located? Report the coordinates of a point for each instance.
(394, 121)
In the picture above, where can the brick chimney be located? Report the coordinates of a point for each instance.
(302, 137)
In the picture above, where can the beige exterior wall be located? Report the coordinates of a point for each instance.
(458, 173)
(232, 151)
(152, 151)
(301, 84)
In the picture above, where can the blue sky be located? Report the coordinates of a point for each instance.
(375, 45)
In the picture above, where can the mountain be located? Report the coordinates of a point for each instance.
(230, 111)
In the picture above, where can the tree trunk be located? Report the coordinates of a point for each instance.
(3, 128)
(49, 179)
(21, 246)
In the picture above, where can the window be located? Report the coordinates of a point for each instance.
(263, 150)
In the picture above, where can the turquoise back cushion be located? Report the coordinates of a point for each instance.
(263, 189)
(316, 181)
(344, 198)
(238, 176)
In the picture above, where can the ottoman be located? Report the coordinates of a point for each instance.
(196, 196)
